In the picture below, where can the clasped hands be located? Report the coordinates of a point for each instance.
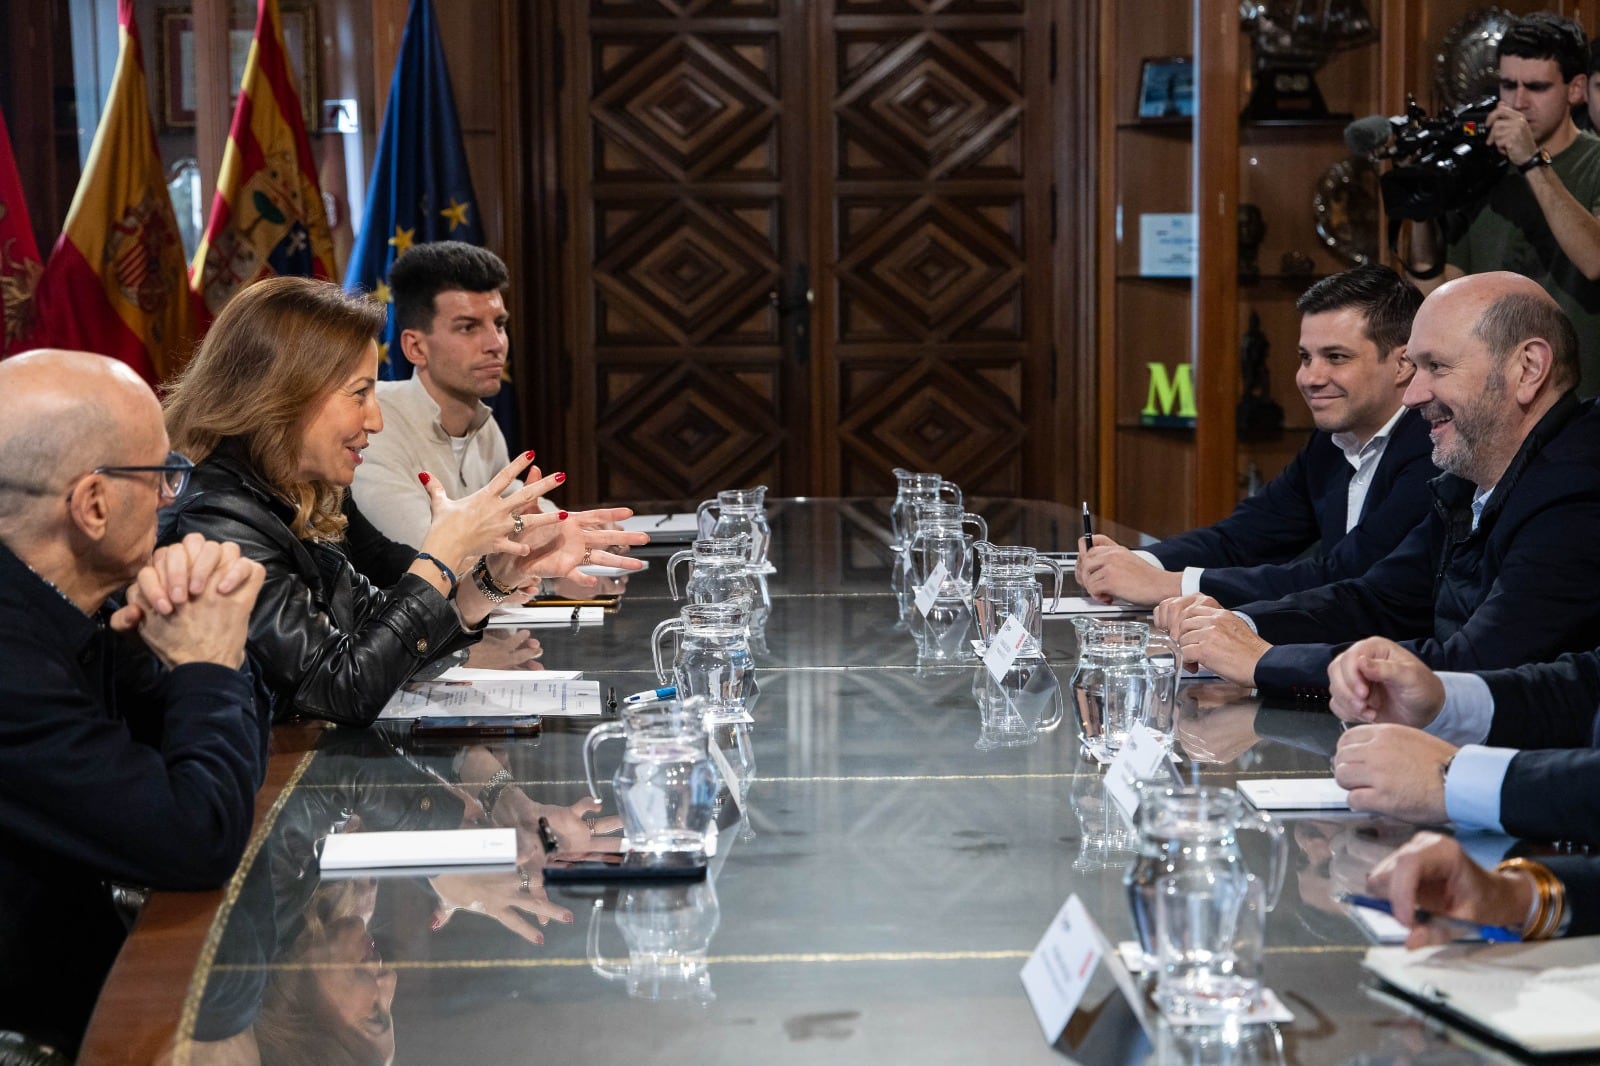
(1384, 758)
(192, 602)
(1212, 636)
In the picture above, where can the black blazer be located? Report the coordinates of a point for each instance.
(1518, 589)
(1256, 552)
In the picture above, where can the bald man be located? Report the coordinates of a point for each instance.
(1502, 571)
(130, 745)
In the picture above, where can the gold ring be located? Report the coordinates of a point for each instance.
(586, 553)
(516, 523)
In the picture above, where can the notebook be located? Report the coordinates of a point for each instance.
(1541, 996)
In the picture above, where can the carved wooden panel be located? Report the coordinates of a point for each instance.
(939, 334)
(716, 150)
(680, 220)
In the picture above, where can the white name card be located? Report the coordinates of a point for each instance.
(1057, 974)
(1141, 754)
(929, 591)
(1005, 647)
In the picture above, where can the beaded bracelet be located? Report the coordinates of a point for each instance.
(449, 574)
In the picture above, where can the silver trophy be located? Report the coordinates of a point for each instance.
(1291, 39)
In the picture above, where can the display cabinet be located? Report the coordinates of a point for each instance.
(1275, 204)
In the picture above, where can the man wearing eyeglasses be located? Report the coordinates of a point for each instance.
(130, 746)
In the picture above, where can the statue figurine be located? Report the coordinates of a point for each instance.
(1258, 414)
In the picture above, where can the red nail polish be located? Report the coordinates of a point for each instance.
(423, 477)
(529, 455)
(559, 478)
(562, 516)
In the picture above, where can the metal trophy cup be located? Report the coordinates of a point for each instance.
(1291, 39)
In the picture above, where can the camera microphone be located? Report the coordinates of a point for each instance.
(1367, 136)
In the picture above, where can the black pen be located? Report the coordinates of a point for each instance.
(1088, 527)
(547, 836)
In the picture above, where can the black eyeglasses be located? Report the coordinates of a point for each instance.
(174, 474)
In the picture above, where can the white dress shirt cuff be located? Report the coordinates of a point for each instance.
(1247, 621)
(1468, 710)
(1191, 579)
(1149, 558)
(1472, 787)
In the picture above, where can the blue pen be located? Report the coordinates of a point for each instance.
(652, 695)
(1497, 934)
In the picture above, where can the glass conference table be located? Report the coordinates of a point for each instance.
(874, 903)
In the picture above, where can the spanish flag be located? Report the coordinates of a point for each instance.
(267, 217)
(116, 282)
(19, 252)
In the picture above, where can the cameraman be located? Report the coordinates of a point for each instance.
(1539, 219)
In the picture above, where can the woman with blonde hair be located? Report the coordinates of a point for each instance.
(275, 409)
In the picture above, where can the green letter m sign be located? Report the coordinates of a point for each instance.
(1167, 393)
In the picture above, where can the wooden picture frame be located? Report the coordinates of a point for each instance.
(175, 58)
(1166, 89)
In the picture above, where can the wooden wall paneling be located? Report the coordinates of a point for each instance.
(35, 46)
(1149, 170)
(1108, 210)
(679, 231)
(213, 91)
(942, 271)
(1157, 479)
(1219, 43)
(1079, 93)
(538, 356)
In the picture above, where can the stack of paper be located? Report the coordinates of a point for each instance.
(419, 848)
(1071, 605)
(1295, 794)
(449, 699)
(467, 673)
(546, 616)
(664, 527)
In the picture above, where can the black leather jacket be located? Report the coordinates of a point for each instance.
(324, 643)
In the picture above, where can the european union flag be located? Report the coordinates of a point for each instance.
(421, 189)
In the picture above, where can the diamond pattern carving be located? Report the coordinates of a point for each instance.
(683, 106)
(935, 414)
(923, 106)
(683, 272)
(686, 426)
(931, 268)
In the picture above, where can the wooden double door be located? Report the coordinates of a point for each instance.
(806, 243)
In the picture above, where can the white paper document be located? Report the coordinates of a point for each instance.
(1541, 995)
(1071, 605)
(1295, 794)
(546, 616)
(488, 699)
(419, 847)
(468, 673)
(664, 527)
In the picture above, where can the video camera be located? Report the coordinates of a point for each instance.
(1442, 164)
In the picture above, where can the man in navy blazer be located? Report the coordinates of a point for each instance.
(1514, 751)
(1501, 573)
(1350, 495)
